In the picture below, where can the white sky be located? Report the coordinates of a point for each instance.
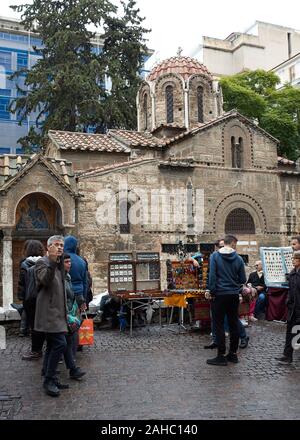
(182, 23)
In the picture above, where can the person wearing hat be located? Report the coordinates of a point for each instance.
(293, 305)
(256, 279)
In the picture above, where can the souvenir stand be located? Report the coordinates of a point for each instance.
(135, 280)
(277, 263)
(187, 283)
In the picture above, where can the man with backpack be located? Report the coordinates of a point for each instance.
(27, 292)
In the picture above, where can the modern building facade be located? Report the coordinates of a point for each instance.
(262, 46)
(16, 51)
(289, 71)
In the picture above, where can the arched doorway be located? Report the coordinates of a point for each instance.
(38, 216)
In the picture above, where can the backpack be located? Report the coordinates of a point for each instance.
(31, 287)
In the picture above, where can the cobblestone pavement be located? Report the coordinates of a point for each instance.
(157, 374)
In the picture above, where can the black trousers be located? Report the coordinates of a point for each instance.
(56, 348)
(37, 338)
(288, 348)
(222, 305)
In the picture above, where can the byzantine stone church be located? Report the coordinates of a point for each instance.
(184, 142)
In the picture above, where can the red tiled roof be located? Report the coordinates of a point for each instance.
(184, 66)
(285, 161)
(136, 138)
(67, 140)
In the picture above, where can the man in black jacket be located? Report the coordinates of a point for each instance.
(293, 305)
(257, 280)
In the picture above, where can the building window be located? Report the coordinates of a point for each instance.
(200, 103)
(237, 152)
(4, 104)
(169, 104)
(239, 221)
(124, 217)
(145, 110)
(22, 61)
(5, 150)
(5, 59)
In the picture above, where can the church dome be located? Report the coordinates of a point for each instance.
(183, 66)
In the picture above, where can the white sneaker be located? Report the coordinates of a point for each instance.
(252, 319)
(244, 323)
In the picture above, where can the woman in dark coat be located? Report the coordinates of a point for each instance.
(293, 305)
(34, 250)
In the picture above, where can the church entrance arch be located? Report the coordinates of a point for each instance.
(37, 217)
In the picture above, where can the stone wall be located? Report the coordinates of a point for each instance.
(260, 193)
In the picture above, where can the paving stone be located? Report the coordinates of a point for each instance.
(157, 374)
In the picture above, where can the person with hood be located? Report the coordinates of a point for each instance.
(33, 251)
(226, 276)
(78, 272)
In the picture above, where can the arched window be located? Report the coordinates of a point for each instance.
(237, 152)
(169, 104)
(145, 111)
(239, 221)
(124, 217)
(233, 152)
(200, 103)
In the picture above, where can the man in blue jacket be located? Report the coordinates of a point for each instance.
(78, 271)
(226, 275)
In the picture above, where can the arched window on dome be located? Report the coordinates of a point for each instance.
(169, 104)
(145, 111)
(239, 221)
(200, 103)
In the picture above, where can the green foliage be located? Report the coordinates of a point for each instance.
(66, 86)
(254, 95)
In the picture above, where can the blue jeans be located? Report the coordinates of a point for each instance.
(242, 330)
(260, 305)
(56, 346)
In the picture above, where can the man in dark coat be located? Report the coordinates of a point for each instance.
(293, 305)
(51, 309)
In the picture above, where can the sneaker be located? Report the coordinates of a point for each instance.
(252, 318)
(244, 323)
(220, 361)
(77, 373)
(232, 357)
(51, 389)
(31, 356)
(244, 342)
(284, 359)
(226, 334)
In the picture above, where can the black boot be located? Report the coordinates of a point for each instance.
(284, 359)
(77, 373)
(220, 361)
(50, 388)
(232, 357)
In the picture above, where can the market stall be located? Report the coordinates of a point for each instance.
(277, 263)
